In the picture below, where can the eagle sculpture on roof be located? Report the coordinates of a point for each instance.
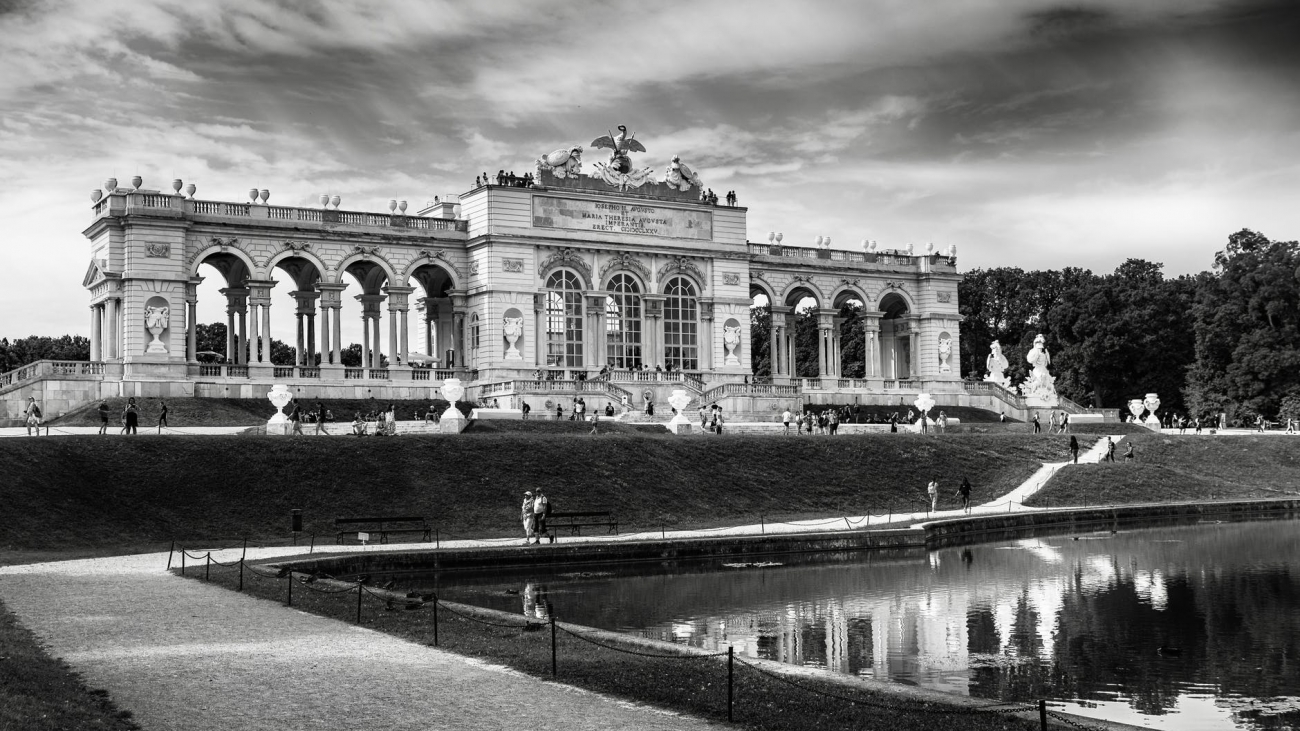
(621, 143)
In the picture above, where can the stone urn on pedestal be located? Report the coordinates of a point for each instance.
(1152, 403)
(679, 400)
(452, 421)
(923, 403)
(1136, 408)
(280, 396)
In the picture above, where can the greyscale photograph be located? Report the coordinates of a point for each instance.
(585, 365)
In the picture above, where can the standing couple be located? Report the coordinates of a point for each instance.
(533, 513)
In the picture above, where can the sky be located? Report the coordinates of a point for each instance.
(1026, 132)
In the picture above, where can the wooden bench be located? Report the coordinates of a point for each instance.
(383, 527)
(575, 521)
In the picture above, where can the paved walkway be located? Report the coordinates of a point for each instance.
(182, 655)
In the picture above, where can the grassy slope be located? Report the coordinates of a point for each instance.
(90, 491)
(1172, 468)
(39, 693)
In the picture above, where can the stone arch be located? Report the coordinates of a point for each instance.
(445, 266)
(570, 260)
(760, 286)
(790, 296)
(304, 254)
(889, 297)
(374, 259)
(229, 250)
(846, 292)
(692, 277)
(641, 281)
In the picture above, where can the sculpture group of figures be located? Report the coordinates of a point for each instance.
(619, 170)
(1039, 385)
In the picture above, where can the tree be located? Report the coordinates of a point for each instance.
(1247, 327)
(210, 338)
(1009, 305)
(1123, 335)
(760, 341)
(19, 353)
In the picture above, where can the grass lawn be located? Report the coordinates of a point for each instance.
(1170, 468)
(695, 686)
(93, 492)
(39, 693)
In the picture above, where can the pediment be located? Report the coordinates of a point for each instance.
(96, 273)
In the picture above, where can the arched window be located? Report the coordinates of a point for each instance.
(474, 339)
(681, 327)
(623, 322)
(564, 320)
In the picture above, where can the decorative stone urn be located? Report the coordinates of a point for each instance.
(452, 421)
(156, 320)
(1136, 408)
(514, 329)
(1152, 403)
(730, 342)
(679, 400)
(280, 396)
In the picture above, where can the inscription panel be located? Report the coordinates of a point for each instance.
(624, 218)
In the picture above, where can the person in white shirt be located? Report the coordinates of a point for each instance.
(540, 509)
(785, 419)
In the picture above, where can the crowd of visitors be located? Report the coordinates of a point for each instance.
(508, 179)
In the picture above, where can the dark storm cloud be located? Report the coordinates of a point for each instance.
(1026, 132)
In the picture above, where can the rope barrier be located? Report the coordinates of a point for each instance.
(580, 636)
(526, 624)
(875, 704)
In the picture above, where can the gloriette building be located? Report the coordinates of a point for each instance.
(524, 288)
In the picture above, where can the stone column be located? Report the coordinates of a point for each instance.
(324, 334)
(365, 340)
(242, 351)
(192, 341)
(825, 321)
(914, 343)
(254, 337)
(399, 342)
(598, 351)
(837, 357)
(331, 303)
(393, 352)
(782, 368)
(266, 332)
(871, 344)
(110, 329)
(539, 330)
(653, 347)
(336, 336)
(95, 319)
(772, 353)
(310, 357)
(706, 335)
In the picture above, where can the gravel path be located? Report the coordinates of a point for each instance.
(183, 655)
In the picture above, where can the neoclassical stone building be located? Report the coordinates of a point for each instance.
(523, 288)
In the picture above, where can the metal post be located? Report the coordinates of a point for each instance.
(313, 543)
(241, 574)
(207, 566)
(360, 589)
(731, 673)
(182, 562)
(437, 539)
(553, 668)
(1042, 713)
(847, 523)
(289, 603)
(435, 620)
(762, 524)
(170, 551)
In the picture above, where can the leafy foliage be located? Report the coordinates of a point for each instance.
(19, 353)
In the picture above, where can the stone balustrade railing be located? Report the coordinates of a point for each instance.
(46, 368)
(117, 204)
(717, 393)
(889, 257)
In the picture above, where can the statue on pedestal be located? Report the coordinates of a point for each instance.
(619, 171)
(1040, 384)
(997, 365)
(514, 329)
(945, 352)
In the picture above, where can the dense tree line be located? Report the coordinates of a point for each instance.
(1227, 339)
(18, 353)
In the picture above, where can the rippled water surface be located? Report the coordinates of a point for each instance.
(1174, 628)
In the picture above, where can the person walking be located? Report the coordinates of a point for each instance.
(704, 418)
(1074, 449)
(103, 416)
(964, 493)
(526, 513)
(785, 419)
(130, 417)
(933, 490)
(541, 509)
(1128, 453)
(162, 415)
(1065, 422)
(717, 419)
(595, 417)
(1038, 426)
(320, 419)
(295, 418)
(1110, 449)
(1051, 423)
(32, 414)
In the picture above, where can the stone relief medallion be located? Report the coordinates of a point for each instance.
(158, 251)
(512, 265)
(731, 279)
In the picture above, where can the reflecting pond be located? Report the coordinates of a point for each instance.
(1194, 627)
